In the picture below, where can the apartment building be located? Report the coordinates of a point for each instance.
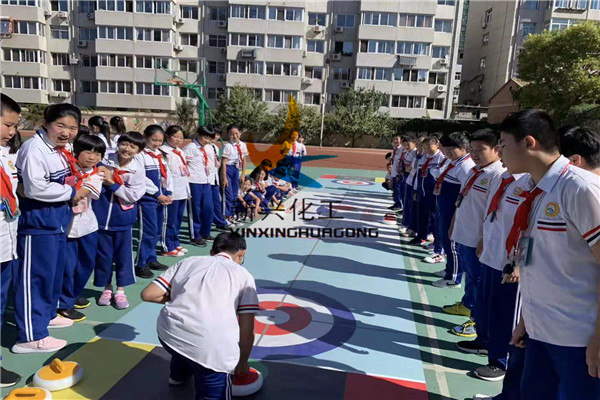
(103, 53)
(495, 34)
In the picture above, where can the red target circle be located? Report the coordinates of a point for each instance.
(299, 319)
(350, 182)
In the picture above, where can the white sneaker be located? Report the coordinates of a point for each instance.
(441, 273)
(435, 259)
(446, 283)
(45, 345)
(430, 238)
(402, 229)
(60, 322)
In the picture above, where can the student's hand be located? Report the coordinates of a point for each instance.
(244, 204)
(108, 180)
(511, 278)
(80, 195)
(225, 183)
(164, 200)
(242, 369)
(518, 336)
(479, 249)
(103, 171)
(592, 356)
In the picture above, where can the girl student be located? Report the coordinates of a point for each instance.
(117, 127)
(99, 127)
(247, 201)
(181, 190)
(152, 204)
(82, 235)
(233, 161)
(116, 211)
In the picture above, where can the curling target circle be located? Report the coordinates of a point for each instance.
(299, 323)
(349, 182)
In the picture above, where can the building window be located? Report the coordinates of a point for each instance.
(285, 69)
(412, 48)
(110, 5)
(346, 49)
(27, 28)
(312, 98)
(189, 39)
(89, 87)
(88, 60)
(246, 67)
(114, 87)
(60, 59)
(416, 20)
(446, 2)
(457, 76)
(215, 93)
(378, 46)
(443, 25)
(531, 4)
(149, 62)
(381, 19)
(341, 74)
(188, 65)
(435, 104)
(30, 3)
(284, 42)
(250, 12)
(245, 39)
(482, 61)
(279, 96)
(528, 29)
(488, 16)
(86, 6)
(485, 39)
(345, 20)
(25, 55)
(440, 51)
(87, 34)
(59, 5)
(61, 85)
(407, 101)
(59, 32)
(437, 78)
(217, 40)
(121, 33)
(315, 46)
(313, 72)
(217, 14)
(410, 75)
(186, 93)
(115, 60)
(317, 19)
(153, 7)
(148, 89)
(216, 67)
(560, 24)
(286, 14)
(24, 82)
(571, 4)
(190, 12)
(378, 74)
(595, 5)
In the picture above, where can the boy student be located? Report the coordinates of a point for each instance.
(82, 235)
(234, 160)
(201, 160)
(45, 216)
(218, 197)
(404, 168)
(555, 242)
(411, 181)
(582, 147)
(116, 211)
(207, 322)
(447, 189)
(397, 152)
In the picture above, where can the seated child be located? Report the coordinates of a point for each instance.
(387, 184)
(248, 201)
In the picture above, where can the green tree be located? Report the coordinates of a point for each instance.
(32, 115)
(310, 121)
(562, 68)
(241, 107)
(185, 116)
(356, 113)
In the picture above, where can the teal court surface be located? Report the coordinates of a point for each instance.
(347, 312)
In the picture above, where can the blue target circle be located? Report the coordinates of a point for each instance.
(351, 182)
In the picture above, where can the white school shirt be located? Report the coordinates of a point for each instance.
(469, 216)
(300, 150)
(111, 145)
(179, 172)
(8, 229)
(410, 180)
(395, 160)
(200, 319)
(215, 166)
(560, 286)
(436, 159)
(462, 167)
(231, 153)
(85, 222)
(152, 164)
(496, 229)
(408, 159)
(200, 173)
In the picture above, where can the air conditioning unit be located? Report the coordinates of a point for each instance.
(47, 13)
(73, 60)
(221, 77)
(249, 53)
(337, 56)
(63, 14)
(441, 88)
(222, 24)
(62, 95)
(318, 29)
(443, 61)
(345, 84)
(307, 81)
(91, 15)
(82, 43)
(177, 47)
(178, 20)
(339, 29)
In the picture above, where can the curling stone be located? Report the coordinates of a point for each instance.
(58, 375)
(29, 393)
(248, 384)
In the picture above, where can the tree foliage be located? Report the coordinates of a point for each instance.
(241, 107)
(185, 116)
(33, 115)
(562, 68)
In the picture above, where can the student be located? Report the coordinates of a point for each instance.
(396, 157)
(387, 183)
(117, 127)
(582, 147)
(467, 231)
(412, 187)
(298, 151)
(216, 297)
(180, 173)
(219, 220)
(447, 189)
(247, 200)
(116, 211)
(10, 142)
(99, 127)
(82, 234)
(404, 169)
(45, 216)
(555, 242)
(200, 158)
(152, 206)
(234, 160)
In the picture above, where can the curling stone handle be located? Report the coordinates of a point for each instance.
(57, 366)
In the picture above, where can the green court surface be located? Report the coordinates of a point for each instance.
(372, 326)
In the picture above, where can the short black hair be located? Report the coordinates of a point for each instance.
(83, 129)
(205, 130)
(409, 137)
(455, 139)
(217, 129)
(90, 143)
(233, 126)
(173, 129)
(388, 155)
(228, 242)
(432, 138)
(152, 129)
(488, 136)
(575, 140)
(135, 138)
(8, 104)
(61, 110)
(535, 123)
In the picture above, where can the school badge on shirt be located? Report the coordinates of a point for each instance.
(483, 181)
(552, 209)
(518, 191)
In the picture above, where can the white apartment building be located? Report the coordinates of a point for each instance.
(102, 53)
(495, 34)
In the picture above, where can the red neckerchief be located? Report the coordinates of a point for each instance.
(239, 149)
(116, 177)
(471, 181)
(82, 176)
(498, 196)
(163, 168)
(178, 153)
(424, 167)
(8, 196)
(294, 149)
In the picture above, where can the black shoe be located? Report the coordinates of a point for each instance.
(143, 272)
(415, 241)
(81, 303)
(155, 265)
(209, 238)
(490, 373)
(472, 347)
(8, 378)
(73, 314)
(391, 207)
(199, 242)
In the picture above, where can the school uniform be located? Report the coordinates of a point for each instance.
(45, 216)
(152, 213)
(218, 197)
(111, 145)
(235, 154)
(425, 206)
(407, 201)
(559, 285)
(447, 190)
(9, 214)
(82, 238)
(294, 156)
(176, 161)
(397, 177)
(116, 211)
(200, 159)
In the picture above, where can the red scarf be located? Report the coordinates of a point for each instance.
(8, 197)
(494, 205)
(438, 184)
(294, 149)
(521, 222)
(163, 168)
(117, 176)
(471, 181)
(424, 167)
(81, 176)
(239, 149)
(180, 156)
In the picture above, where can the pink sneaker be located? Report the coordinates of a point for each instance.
(105, 299)
(121, 301)
(60, 322)
(45, 345)
(182, 249)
